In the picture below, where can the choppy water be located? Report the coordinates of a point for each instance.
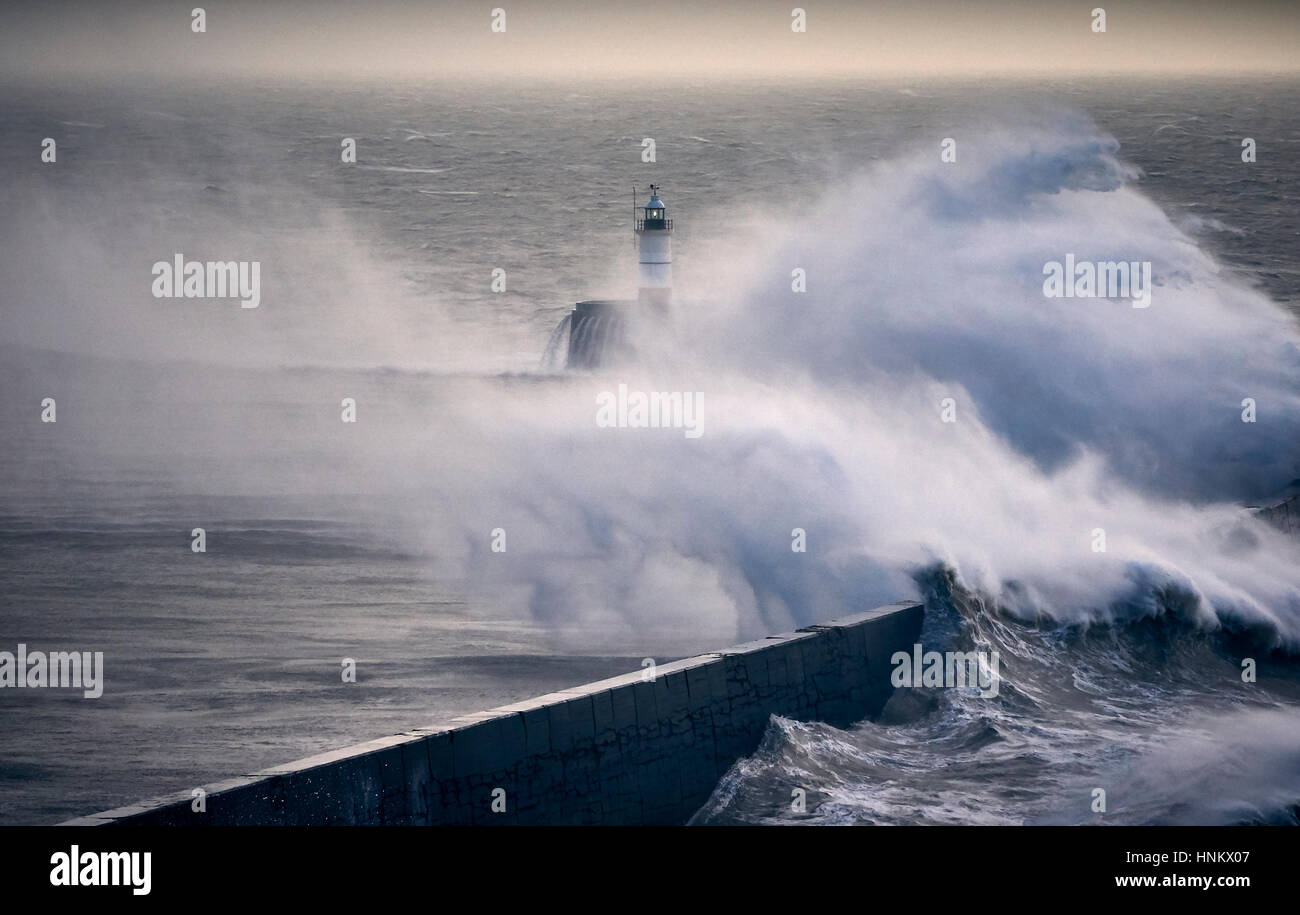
(328, 541)
(1152, 713)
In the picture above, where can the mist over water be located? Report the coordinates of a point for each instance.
(821, 410)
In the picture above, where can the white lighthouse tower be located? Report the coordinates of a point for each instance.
(598, 328)
(654, 242)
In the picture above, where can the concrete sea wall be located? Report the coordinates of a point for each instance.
(624, 751)
(1285, 515)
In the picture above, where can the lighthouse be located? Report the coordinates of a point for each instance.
(654, 243)
(598, 330)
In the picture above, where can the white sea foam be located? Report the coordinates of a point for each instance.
(924, 284)
(1073, 416)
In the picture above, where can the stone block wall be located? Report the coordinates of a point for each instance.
(623, 751)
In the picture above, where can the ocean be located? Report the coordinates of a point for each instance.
(1122, 668)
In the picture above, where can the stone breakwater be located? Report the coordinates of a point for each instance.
(634, 749)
